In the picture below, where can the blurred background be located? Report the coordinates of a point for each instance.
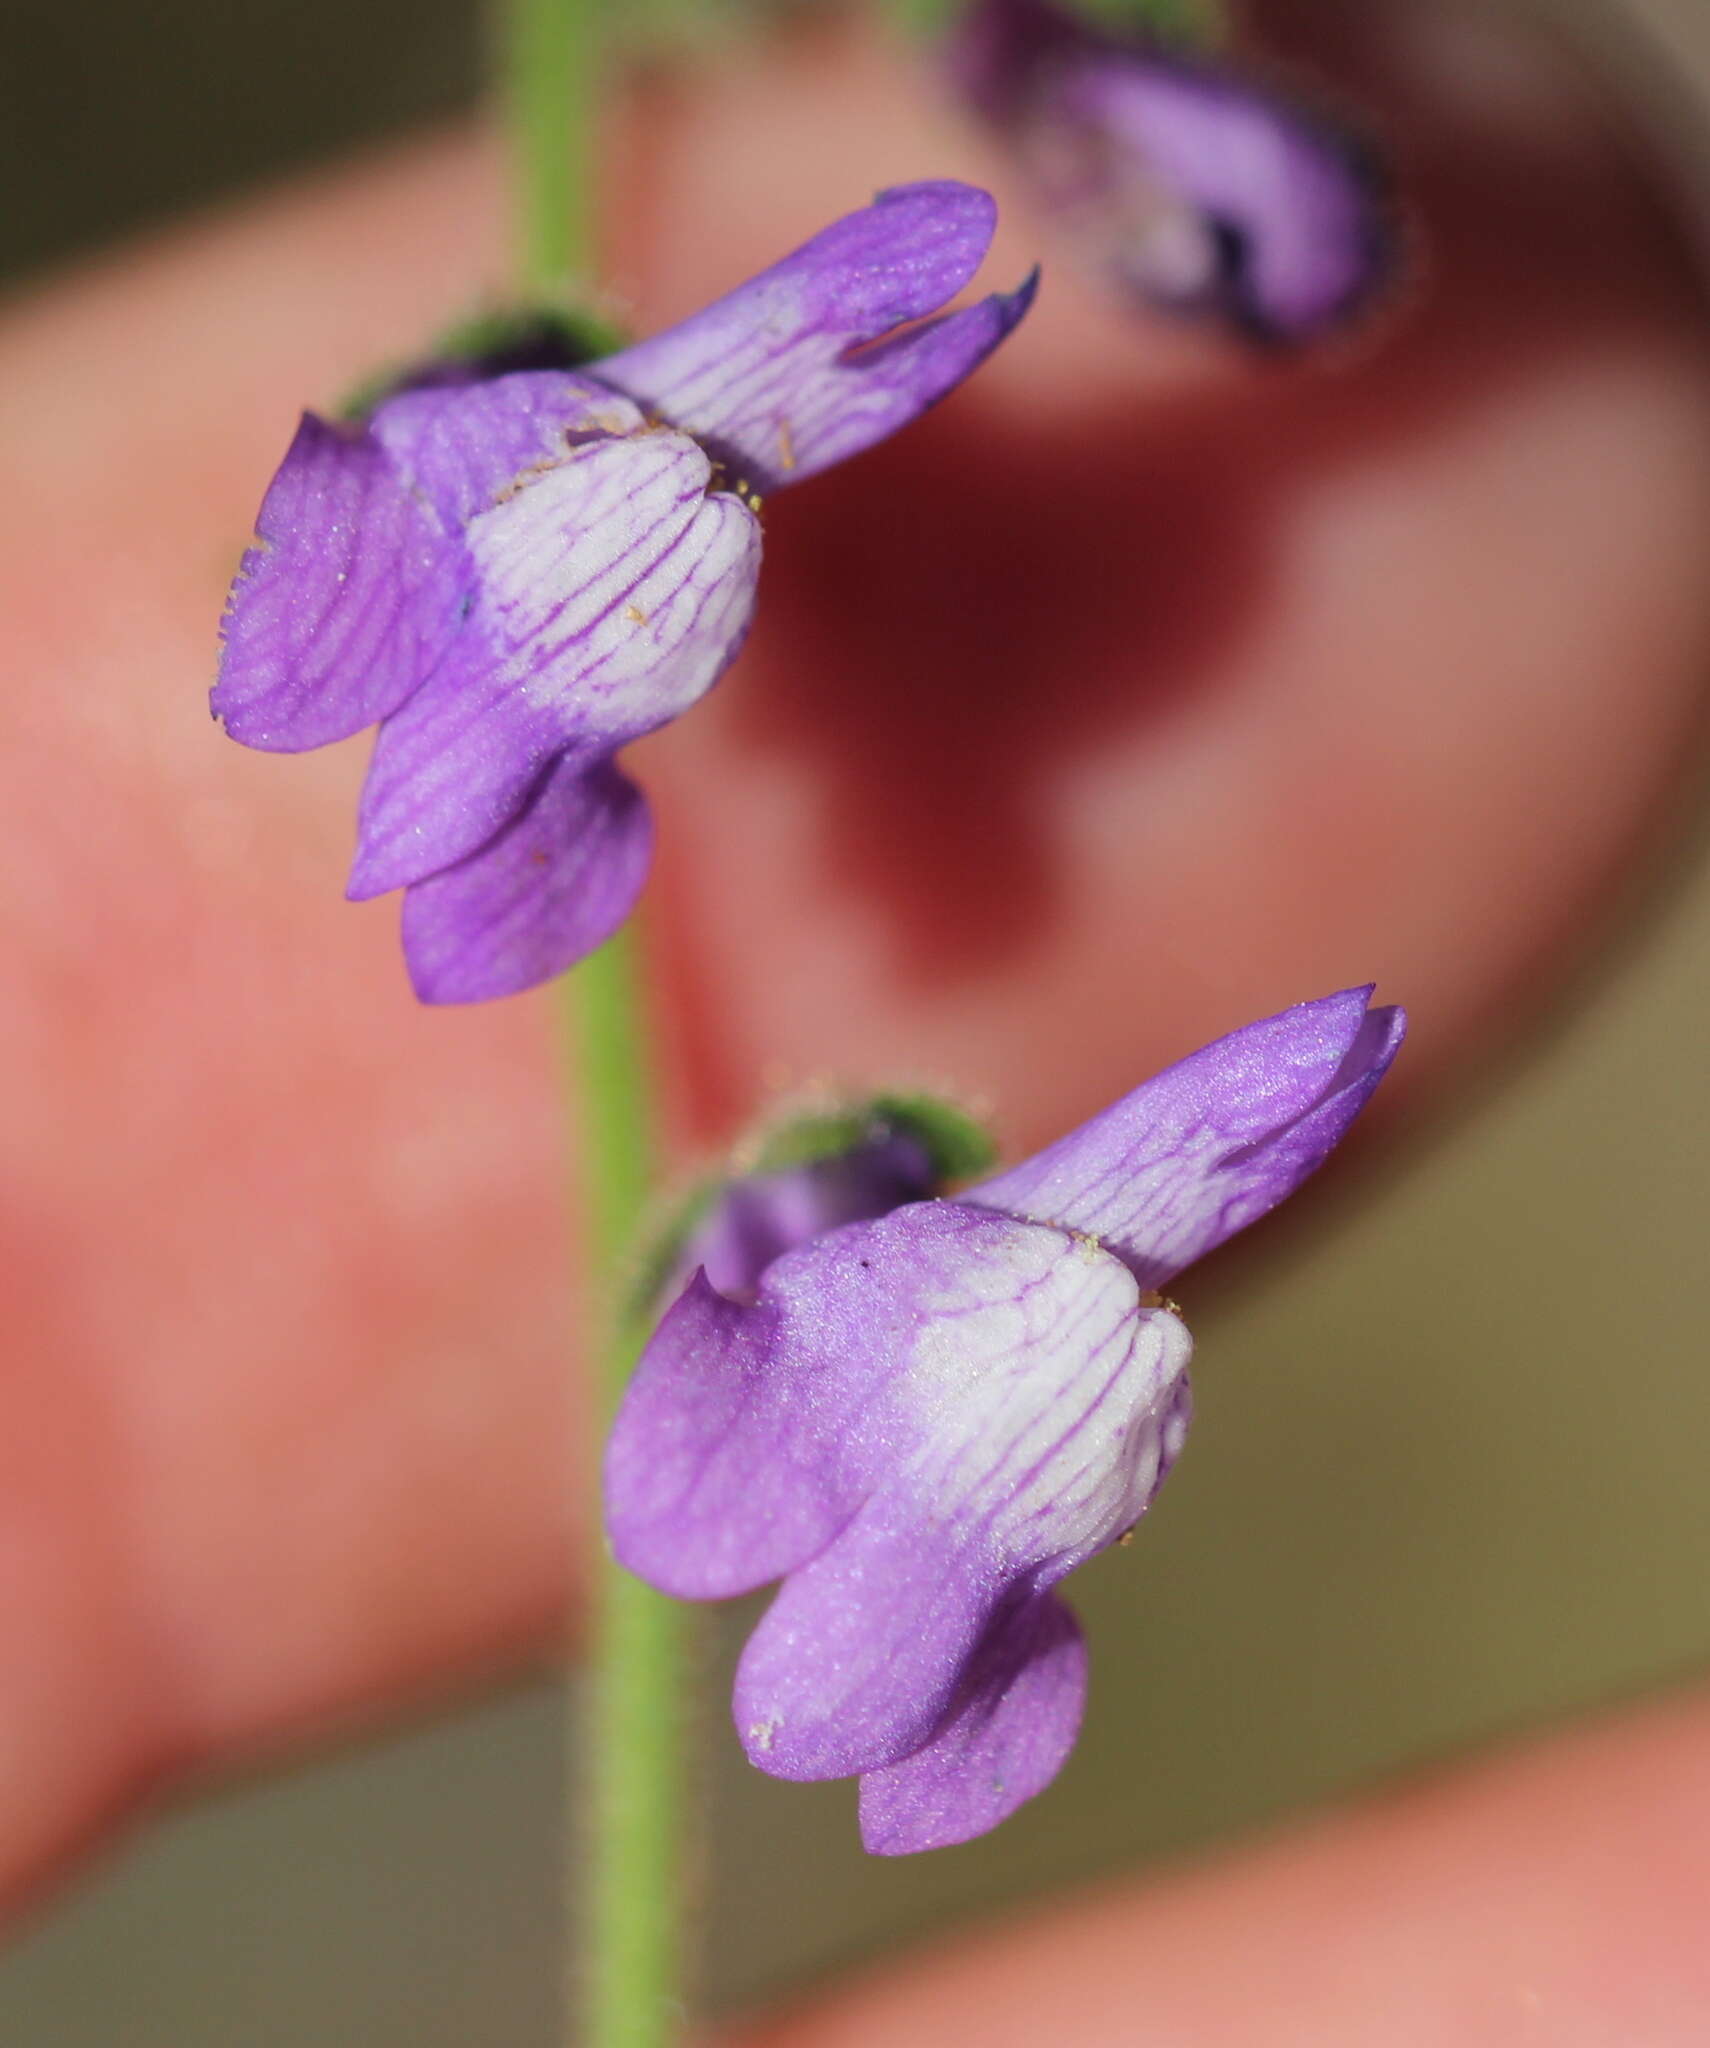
(1417, 1528)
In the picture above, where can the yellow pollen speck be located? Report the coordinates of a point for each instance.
(786, 446)
(739, 487)
(635, 615)
(760, 1733)
(1125, 1539)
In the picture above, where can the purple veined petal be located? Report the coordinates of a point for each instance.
(777, 377)
(1007, 1734)
(861, 1652)
(612, 592)
(1287, 211)
(1017, 1415)
(556, 883)
(717, 1479)
(465, 446)
(343, 605)
(1213, 1143)
(749, 1436)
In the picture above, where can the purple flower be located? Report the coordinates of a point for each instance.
(924, 1422)
(1192, 187)
(515, 577)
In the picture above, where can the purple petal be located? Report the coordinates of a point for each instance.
(1014, 1408)
(757, 1219)
(1213, 1143)
(555, 884)
(716, 1479)
(343, 605)
(749, 1436)
(612, 592)
(860, 1654)
(1007, 1735)
(466, 446)
(450, 771)
(776, 377)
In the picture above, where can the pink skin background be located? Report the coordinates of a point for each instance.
(1138, 692)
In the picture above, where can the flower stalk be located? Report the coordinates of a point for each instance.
(548, 63)
(628, 1833)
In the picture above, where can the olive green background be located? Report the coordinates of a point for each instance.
(1450, 1466)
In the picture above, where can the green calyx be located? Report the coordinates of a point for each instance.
(572, 335)
(956, 1145)
(662, 1247)
(1186, 25)
(491, 343)
(1181, 24)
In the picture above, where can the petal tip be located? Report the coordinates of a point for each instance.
(444, 984)
(1017, 304)
(948, 195)
(367, 880)
(1387, 1026)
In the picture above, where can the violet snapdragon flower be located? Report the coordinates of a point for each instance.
(1192, 186)
(515, 577)
(923, 1423)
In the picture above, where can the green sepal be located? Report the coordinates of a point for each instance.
(1186, 25)
(953, 1141)
(663, 1238)
(495, 340)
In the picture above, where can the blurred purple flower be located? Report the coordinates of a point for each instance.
(1194, 187)
(515, 577)
(924, 1422)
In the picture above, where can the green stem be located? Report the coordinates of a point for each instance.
(628, 1834)
(549, 74)
(629, 1839)
(613, 1110)
(632, 1992)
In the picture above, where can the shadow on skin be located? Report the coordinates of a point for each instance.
(982, 600)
